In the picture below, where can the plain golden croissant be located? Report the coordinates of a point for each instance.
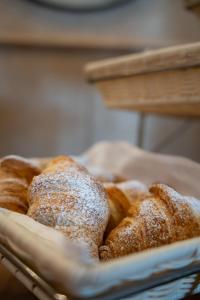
(119, 206)
(161, 218)
(121, 196)
(66, 197)
(16, 174)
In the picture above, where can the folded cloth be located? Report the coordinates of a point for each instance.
(130, 162)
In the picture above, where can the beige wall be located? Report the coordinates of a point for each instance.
(47, 108)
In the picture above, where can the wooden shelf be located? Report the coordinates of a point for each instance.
(194, 5)
(69, 40)
(163, 81)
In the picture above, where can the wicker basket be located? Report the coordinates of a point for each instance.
(49, 265)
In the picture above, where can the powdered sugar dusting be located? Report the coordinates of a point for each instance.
(161, 218)
(68, 198)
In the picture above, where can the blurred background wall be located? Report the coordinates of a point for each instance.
(46, 105)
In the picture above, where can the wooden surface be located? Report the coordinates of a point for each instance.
(174, 92)
(134, 25)
(68, 41)
(162, 81)
(146, 62)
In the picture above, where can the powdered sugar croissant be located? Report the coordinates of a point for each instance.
(66, 197)
(161, 218)
(16, 174)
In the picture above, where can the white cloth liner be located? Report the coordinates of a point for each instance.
(64, 265)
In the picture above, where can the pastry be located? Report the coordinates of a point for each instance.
(133, 190)
(161, 218)
(119, 206)
(121, 196)
(16, 174)
(66, 197)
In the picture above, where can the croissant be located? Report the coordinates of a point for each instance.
(161, 218)
(120, 197)
(66, 197)
(16, 174)
(119, 206)
(133, 190)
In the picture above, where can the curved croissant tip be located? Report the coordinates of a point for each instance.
(15, 162)
(159, 187)
(104, 252)
(6, 158)
(16, 158)
(164, 191)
